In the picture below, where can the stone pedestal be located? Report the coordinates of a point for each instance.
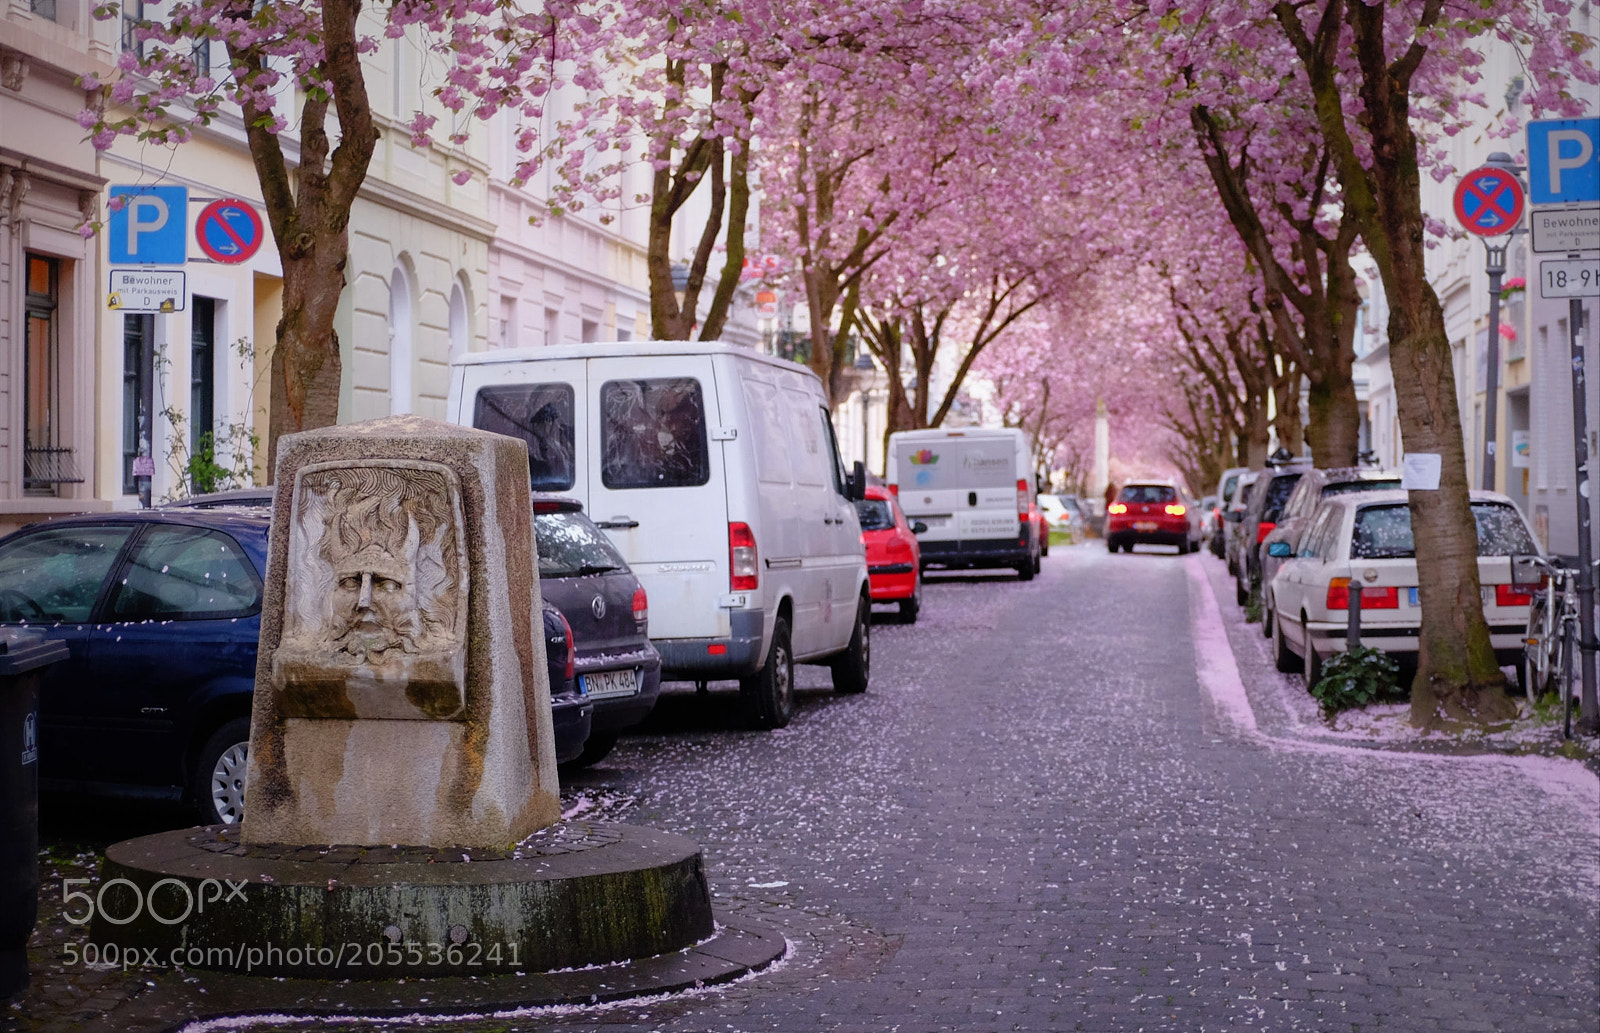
(401, 689)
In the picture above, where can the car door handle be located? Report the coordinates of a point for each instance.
(617, 523)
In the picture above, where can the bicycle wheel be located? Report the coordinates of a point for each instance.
(1569, 647)
(1537, 645)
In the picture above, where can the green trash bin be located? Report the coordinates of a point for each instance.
(24, 653)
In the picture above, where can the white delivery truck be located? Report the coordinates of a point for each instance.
(972, 487)
(715, 471)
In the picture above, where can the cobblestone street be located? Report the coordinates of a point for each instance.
(1040, 817)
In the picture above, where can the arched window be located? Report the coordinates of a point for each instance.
(400, 341)
(460, 334)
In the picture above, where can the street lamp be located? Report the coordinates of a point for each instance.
(1494, 254)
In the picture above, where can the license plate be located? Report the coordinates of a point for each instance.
(1145, 525)
(1414, 600)
(603, 684)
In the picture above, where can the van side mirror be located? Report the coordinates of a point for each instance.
(1279, 550)
(918, 527)
(1526, 571)
(855, 486)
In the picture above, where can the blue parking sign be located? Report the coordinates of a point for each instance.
(150, 227)
(1564, 161)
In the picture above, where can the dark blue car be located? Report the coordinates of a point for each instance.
(161, 613)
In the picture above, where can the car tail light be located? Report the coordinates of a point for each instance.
(572, 649)
(717, 649)
(744, 566)
(1116, 507)
(1176, 509)
(1371, 598)
(641, 607)
(894, 489)
(1022, 497)
(1510, 595)
(1263, 529)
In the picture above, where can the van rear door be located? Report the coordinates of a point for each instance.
(964, 489)
(543, 403)
(656, 484)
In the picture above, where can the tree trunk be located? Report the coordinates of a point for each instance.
(1458, 680)
(306, 367)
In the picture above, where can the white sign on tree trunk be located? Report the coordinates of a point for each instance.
(1419, 471)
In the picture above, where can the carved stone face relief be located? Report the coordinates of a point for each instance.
(376, 600)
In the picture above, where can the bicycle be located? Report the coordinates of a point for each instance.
(1550, 642)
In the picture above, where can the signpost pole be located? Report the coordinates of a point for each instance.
(1590, 721)
(1495, 266)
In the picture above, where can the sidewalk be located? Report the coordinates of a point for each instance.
(1283, 708)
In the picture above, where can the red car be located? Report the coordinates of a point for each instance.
(1152, 513)
(894, 559)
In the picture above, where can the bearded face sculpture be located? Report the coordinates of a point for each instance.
(375, 607)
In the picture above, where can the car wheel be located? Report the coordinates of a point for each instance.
(1025, 572)
(909, 608)
(1111, 546)
(769, 693)
(217, 787)
(1038, 562)
(1283, 658)
(1313, 662)
(1241, 594)
(1267, 621)
(598, 746)
(852, 667)
(1044, 544)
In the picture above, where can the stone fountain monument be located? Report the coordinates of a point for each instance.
(402, 812)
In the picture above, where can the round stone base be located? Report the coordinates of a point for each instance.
(575, 894)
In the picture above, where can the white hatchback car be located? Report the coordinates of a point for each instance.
(1366, 539)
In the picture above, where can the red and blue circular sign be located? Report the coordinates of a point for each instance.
(1489, 202)
(229, 231)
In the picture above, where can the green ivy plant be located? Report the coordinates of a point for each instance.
(1356, 679)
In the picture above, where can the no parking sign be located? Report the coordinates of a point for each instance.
(229, 231)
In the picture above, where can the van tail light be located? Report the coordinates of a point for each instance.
(1022, 496)
(1116, 507)
(1510, 595)
(744, 567)
(641, 607)
(1177, 509)
(1265, 528)
(1371, 598)
(572, 649)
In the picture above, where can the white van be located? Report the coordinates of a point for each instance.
(973, 489)
(716, 473)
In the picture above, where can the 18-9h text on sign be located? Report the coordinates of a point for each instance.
(147, 290)
(1569, 278)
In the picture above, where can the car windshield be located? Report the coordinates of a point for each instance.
(1278, 493)
(1384, 532)
(874, 514)
(571, 546)
(1148, 493)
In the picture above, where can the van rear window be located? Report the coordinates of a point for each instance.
(539, 414)
(653, 434)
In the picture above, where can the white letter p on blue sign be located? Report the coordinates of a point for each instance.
(1564, 161)
(151, 227)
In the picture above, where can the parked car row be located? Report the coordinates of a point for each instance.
(1301, 540)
